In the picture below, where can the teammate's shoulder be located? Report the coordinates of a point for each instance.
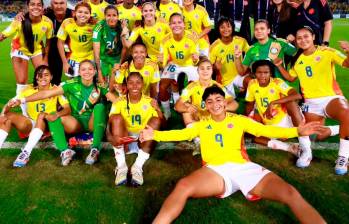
(70, 81)
(253, 82)
(325, 48)
(239, 39)
(200, 8)
(147, 98)
(99, 26)
(167, 37)
(119, 99)
(282, 40)
(191, 36)
(192, 85)
(216, 43)
(46, 19)
(68, 21)
(151, 63)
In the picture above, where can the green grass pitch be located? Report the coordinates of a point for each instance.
(45, 192)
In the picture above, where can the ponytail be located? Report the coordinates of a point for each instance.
(28, 33)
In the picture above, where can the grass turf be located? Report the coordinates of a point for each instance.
(45, 192)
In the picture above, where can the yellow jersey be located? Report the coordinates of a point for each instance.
(151, 37)
(167, 10)
(193, 94)
(41, 31)
(97, 11)
(225, 54)
(179, 52)
(262, 96)
(130, 15)
(136, 115)
(196, 19)
(316, 72)
(150, 73)
(221, 142)
(80, 39)
(48, 105)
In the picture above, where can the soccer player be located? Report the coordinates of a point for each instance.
(38, 111)
(87, 114)
(107, 44)
(196, 19)
(227, 168)
(27, 43)
(98, 9)
(190, 103)
(128, 116)
(276, 104)
(266, 48)
(79, 31)
(130, 13)
(151, 31)
(165, 8)
(145, 66)
(222, 53)
(180, 52)
(314, 67)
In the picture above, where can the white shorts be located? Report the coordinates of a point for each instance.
(243, 177)
(286, 122)
(133, 146)
(238, 82)
(75, 66)
(318, 105)
(20, 54)
(171, 71)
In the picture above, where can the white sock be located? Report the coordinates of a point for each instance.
(19, 89)
(119, 155)
(343, 148)
(305, 143)
(3, 136)
(33, 139)
(334, 130)
(175, 96)
(276, 144)
(167, 110)
(141, 158)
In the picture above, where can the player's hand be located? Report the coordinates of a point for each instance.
(290, 38)
(237, 53)
(155, 105)
(146, 134)
(270, 112)
(14, 103)
(218, 64)
(160, 58)
(344, 45)
(100, 78)
(116, 66)
(191, 108)
(310, 128)
(20, 17)
(66, 67)
(278, 62)
(51, 117)
(195, 58)
(124, 66)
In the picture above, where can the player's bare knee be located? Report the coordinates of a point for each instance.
(290, 194)
(185, 187)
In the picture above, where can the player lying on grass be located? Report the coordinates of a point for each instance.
(314, 67)
(27, 43)
(276, 104)
(38, 112)
(88, 114)
(128, 116)
(190, 103)
(227, 168)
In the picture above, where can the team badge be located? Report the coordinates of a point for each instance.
(272, 91)
(311, 11)
(230, 125)
(170, 8)
(318, 58)
(145, 107)
(159, 30)
(146, 73)
(274, 50)
(133, 14)
(44, 28)
(196, 16)
(186, 46)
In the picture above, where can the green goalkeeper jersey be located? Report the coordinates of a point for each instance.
(82, 98)
(109, 39)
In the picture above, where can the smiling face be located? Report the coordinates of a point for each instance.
(305, 39)
(82, 14)
(43, 78)
(215, 104)
(87, 71)
(148, 11)
(35, 8)
(177, 24)
(134, 85)
(111, 16)
(205, 71)
(263, 75)
(139, 53)
(225, 29)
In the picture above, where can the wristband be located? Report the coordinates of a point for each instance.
(326, 43)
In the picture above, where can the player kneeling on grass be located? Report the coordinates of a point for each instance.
(314, 67)
(38, 111)
(227, 168)
(88, 114)
(128, 116)
(190, 103)
(276, 104)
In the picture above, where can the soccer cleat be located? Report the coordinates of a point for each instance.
(67, 156)
(121, 175)
(22, 159)
(137, 176)
(341, 167)
(92, 157)
(304, 159)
